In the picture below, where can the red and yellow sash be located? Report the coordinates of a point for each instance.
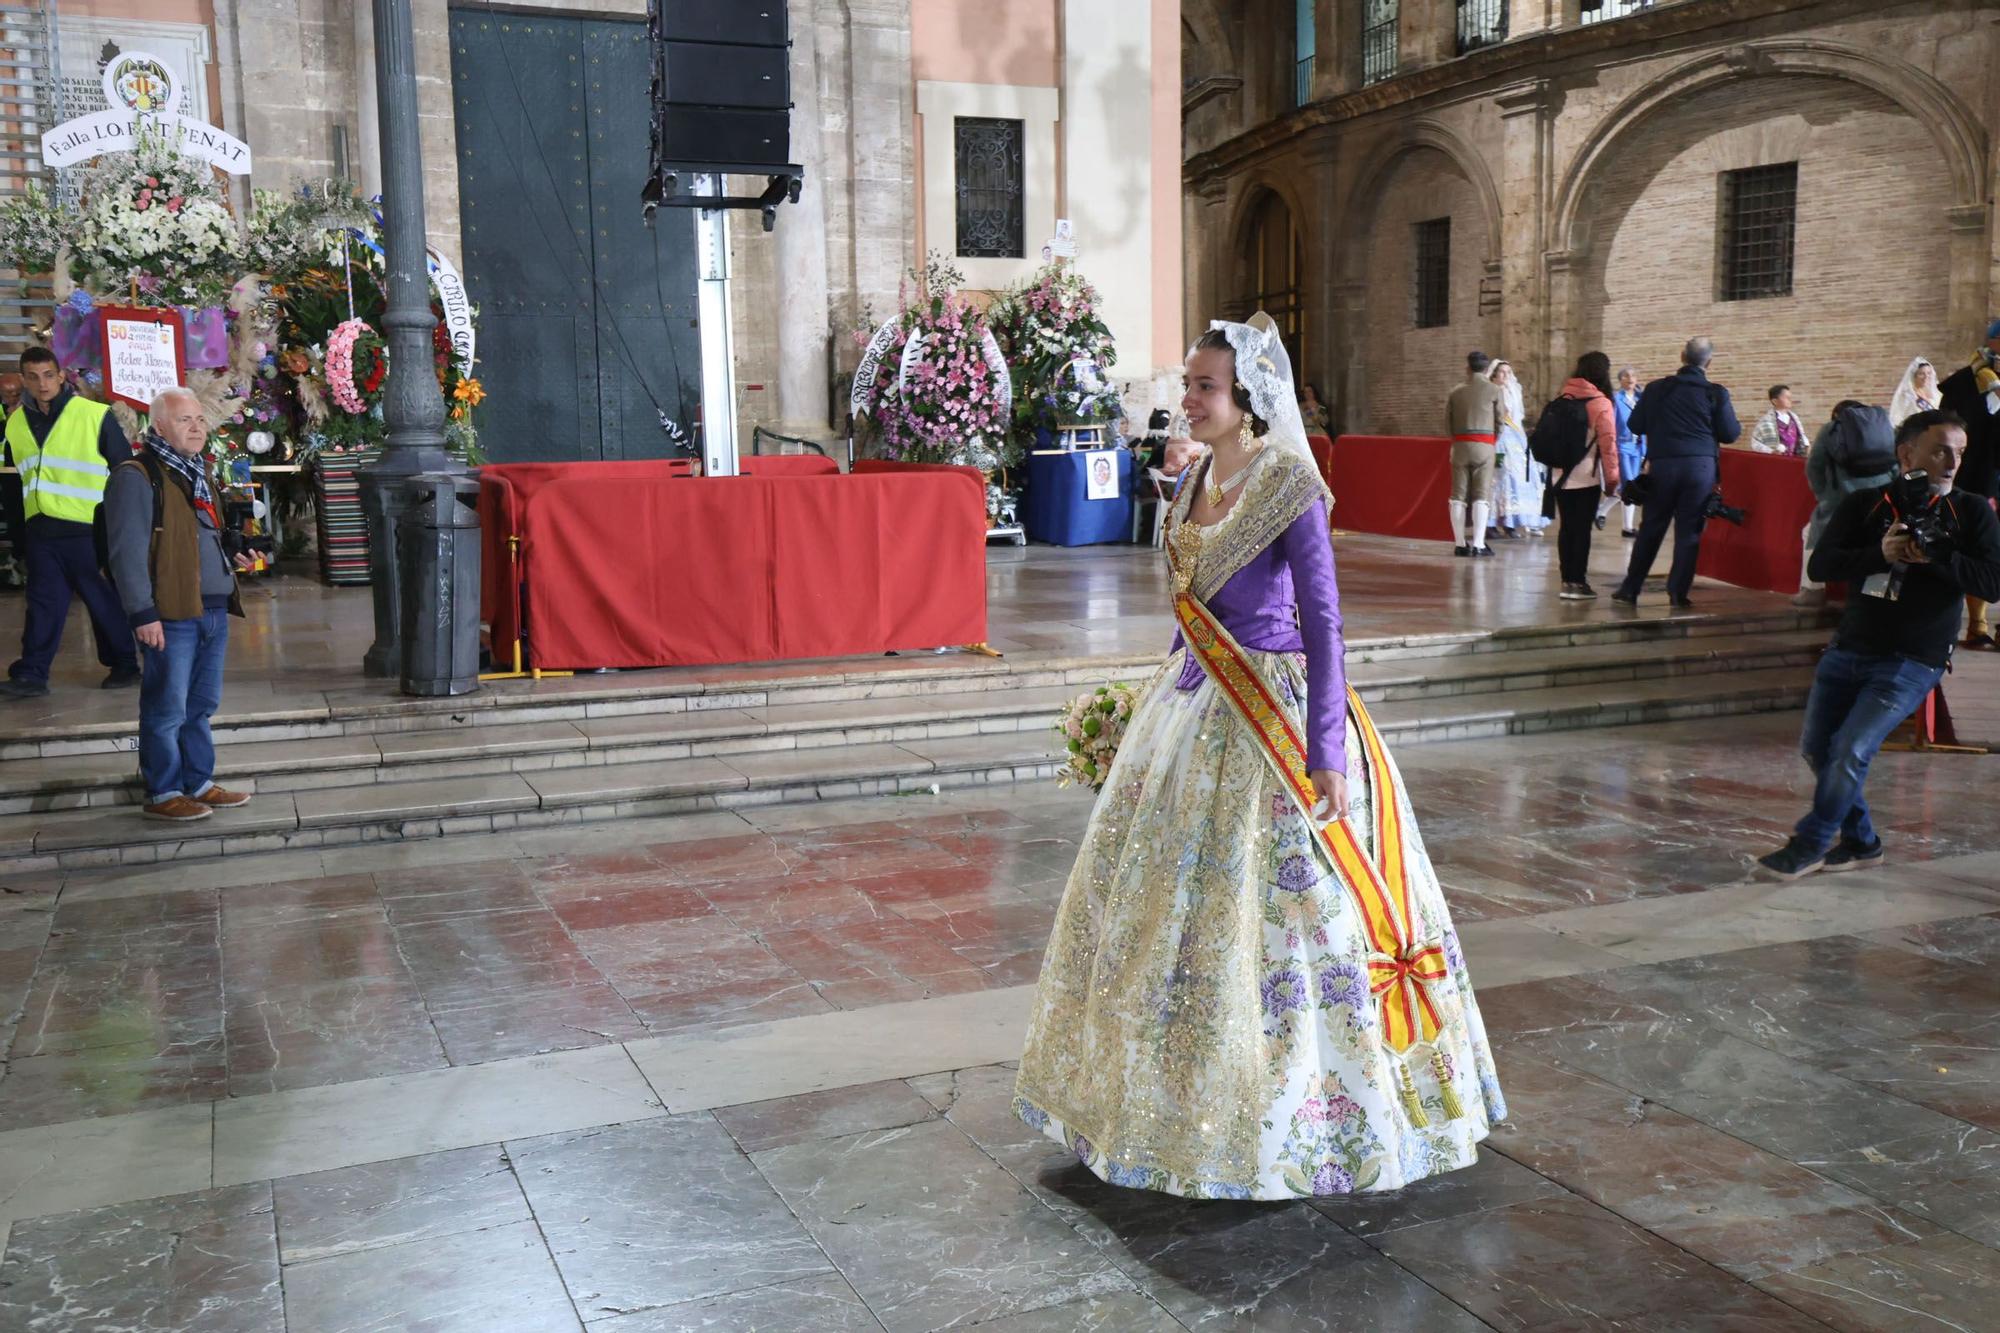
(1401, 969)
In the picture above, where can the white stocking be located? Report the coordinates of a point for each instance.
(1480, 509)
(1457, 522)
(1631, 518)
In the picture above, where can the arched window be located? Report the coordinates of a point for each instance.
(1272, 274)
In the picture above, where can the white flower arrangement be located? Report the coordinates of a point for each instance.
(1091, 727)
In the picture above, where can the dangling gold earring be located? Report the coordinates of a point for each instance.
(1244, 435)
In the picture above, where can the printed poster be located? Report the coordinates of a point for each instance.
(1100, 470)
(144, 353)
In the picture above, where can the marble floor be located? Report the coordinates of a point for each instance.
(751, 1071)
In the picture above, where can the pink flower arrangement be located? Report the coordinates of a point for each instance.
(950, 407)
(340, 366)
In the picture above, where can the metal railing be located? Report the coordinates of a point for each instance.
(1302, 81)
(1481, 23)
(1380, 37)
(1602, 11)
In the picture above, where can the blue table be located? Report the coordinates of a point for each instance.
(1057, 511)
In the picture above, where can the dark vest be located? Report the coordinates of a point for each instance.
(175, 554)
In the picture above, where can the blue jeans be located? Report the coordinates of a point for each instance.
(181, 688)
(61, 560)
(1856, 701)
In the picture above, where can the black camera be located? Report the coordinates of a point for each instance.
(1716, 507)
(1931, 525)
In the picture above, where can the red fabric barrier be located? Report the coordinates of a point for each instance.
(1322, 451)
(882, 466)
(506, 488)
(505, 491)
(1768, 551)
(1393, 485)
(645, 572)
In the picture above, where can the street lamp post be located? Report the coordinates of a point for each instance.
(412, 405)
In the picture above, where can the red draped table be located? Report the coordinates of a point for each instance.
(631, 565)
(1392, 485)
(1768, 551)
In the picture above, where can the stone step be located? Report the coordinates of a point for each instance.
(353, 712)
(437, 806)
(321, 763)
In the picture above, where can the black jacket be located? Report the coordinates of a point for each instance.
(1979, 470)
(1922, 623)
(1684, 416)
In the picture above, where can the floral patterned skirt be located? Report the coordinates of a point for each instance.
(1203, 1024)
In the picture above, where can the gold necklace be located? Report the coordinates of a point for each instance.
(1219, 490)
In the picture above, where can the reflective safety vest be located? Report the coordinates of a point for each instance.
(63, 476)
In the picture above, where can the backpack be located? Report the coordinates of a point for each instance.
(1562, 434)
(100, 531)
(1861, 442)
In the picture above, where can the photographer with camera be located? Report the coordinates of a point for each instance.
(1684, 419)
(1909, 552)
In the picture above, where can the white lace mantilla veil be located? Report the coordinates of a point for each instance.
(1264, 368)
(1903, 403)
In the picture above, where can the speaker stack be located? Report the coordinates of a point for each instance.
(722, 101)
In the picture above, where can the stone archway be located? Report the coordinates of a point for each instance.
(1639, 209)
(1953, 130)
(1382, 161)
(1392, 374)
(1267, 264)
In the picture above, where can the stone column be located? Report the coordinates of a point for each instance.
(1562, 303)
(437, 121)
(1967, 305)
(1532, 16)
(1427, 33)
(366, 162)
(1348, 389)
(1527, 114)
(1208, 248)
(1339, 65)
(882, 102)
(412, 405)
(1106, 132)
(803, 308)
(1323, 247)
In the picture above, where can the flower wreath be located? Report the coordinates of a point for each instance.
(355, 347)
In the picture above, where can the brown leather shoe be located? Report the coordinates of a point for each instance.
(221, 798)
(177, 810)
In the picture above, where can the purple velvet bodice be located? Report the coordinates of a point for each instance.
(1285, 601)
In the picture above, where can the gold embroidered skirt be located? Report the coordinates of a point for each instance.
(1203, 1023)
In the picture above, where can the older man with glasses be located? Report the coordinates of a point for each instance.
(178, 588)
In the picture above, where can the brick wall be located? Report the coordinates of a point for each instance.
(1408, 370)
(1869, 277)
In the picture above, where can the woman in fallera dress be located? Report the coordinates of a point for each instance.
(1241, 1000)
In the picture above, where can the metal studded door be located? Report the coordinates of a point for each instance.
(587, 340)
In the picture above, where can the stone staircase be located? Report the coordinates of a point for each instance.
(601, 747)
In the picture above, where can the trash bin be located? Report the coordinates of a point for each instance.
(437, 541)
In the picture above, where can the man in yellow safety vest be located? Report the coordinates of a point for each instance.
(65, 448)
